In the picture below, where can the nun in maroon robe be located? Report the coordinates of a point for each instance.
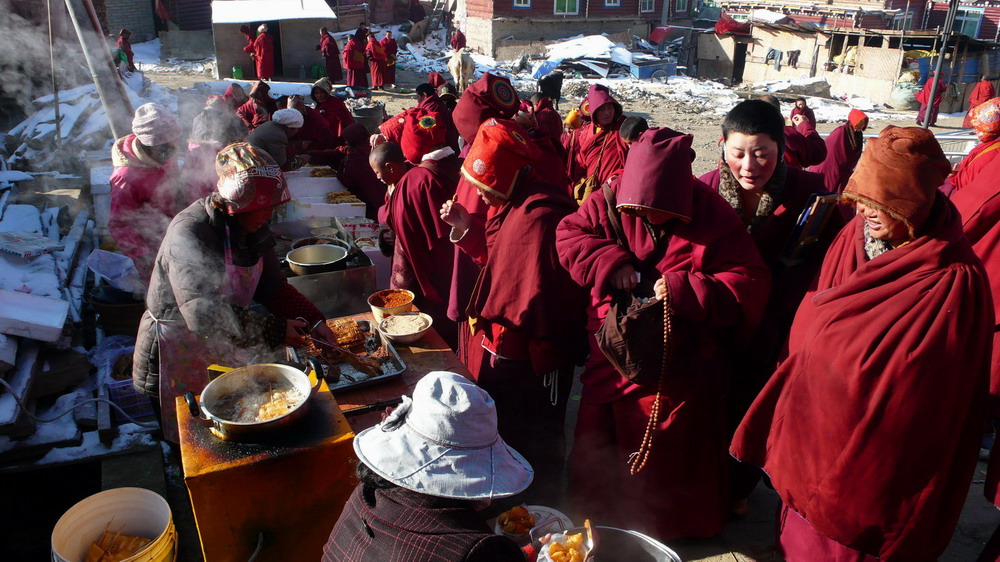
(376, 60)
(391, 48)
(526, 312)
(927, 104)
(331, 55)
(981, 93)
(356, 174)
(985, 121)
(422, 255)
(596, 147)
(432, 102)
(688, 239)
(258, 107)
(870, 427)
(803, 145)
(435, 79)
(354, 61)
(263, 54)
(770, 206)
(843, 149)
(333, 109)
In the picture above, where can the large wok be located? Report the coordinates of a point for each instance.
(238, 380)
(318, 258)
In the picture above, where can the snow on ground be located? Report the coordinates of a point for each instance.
(129, 435)
(147, 59)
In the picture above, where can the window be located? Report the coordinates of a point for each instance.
(567, 7)
(967, 21)
(903, 22)
(522, 3)
(681, 6)
(645, 6)
(612, 3)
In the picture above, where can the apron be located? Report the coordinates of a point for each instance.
(185, 355)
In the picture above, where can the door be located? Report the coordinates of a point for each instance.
(739, 62)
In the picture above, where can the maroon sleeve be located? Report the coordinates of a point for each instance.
(586, 248)
(287, 302)
(473, 243)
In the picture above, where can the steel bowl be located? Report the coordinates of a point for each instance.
(317, 258)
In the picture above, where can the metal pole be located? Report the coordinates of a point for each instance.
(117, 107)
(52, 65)
(949, 21)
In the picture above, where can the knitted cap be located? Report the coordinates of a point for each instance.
(249, 179)
(899, 173)
(291, 118)
(153, 125)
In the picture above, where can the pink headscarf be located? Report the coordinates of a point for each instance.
(986, 120)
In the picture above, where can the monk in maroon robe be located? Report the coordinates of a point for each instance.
(356, 173)
(422, 255)
(333, 109)
(985, 121)
(802, 108)
(263, 53)
(929, 107)
(430, 101)
(596, 148)
(803, 145)
(331, 55)
(235, 96)
(258, 107)
(390, 47)
(544, 131)
(769, 196)
(689, 241)
(435, 79)
(376, 59)
(527, 314)
(870, 427)
(980, 94)
(354, 60)
(458, 40)
(843, 149)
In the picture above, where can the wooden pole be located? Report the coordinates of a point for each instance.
(52, 66)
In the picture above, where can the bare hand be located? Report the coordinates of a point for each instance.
(455, 215)
(323, 332)
(294, 330)
(660, 289)
(624, 278)
(796, 119)
(376, 139)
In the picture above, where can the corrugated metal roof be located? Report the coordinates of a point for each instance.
(242, 11)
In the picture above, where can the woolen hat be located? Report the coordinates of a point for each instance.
(443, 442)
(154, 125)
(291, 118)
(249, 179)
(423, 132)
(498, 154)
(489, 97)
(985, 119)
(899, 173)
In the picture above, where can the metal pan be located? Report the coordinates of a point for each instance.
(349, 377)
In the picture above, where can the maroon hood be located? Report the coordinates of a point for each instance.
(658, 173)
(435, 79)
(598, 97)
(259, 91)
(489, 97)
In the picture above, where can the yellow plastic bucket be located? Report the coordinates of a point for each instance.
(135, 511)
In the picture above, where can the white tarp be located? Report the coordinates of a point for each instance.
(763, 16)
(244, 11)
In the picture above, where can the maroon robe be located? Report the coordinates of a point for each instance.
(376, 59)
(872, 435)
(596, 150)
(717, 286)
(843, 149)
(230, 97)
(331, 55)
(422, 258)
(807, 113)
(358, 177)
(435, 79)
(528, 309)
(336, 115)
(980, 159)
(923, 97)
(315, 131)
(391, 48)
(982, 93)
(458, 40)
(547, 136)
(803, 146)
(126, 47)
(354, 62)
(263, 56)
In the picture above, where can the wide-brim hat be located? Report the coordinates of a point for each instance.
(444, 442)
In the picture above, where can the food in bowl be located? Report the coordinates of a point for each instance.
(404, 325)
(113, 545)
(391, 298)
(572, 550)
(516, 521)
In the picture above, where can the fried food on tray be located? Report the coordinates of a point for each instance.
(347, 332)
(322, 172)
(516, 521)
(342, 197)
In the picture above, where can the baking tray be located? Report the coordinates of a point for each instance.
(392, 368)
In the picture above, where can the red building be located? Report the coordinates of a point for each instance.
(870, 14)
(977, 20)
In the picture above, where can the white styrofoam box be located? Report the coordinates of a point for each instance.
(309, 207)
(301, 184)
(32, 316)
(102, 210)
(100, 179)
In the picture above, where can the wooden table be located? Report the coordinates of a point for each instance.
(429, 353)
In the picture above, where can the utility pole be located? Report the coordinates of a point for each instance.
(949, 22)
(110, 89)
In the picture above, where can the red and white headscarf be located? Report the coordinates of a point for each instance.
(986, 120)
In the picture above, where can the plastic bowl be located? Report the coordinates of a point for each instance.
(406, 338)
(380, 312)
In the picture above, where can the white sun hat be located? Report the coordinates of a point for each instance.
(444, 442)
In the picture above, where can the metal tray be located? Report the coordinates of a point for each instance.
(392, 368)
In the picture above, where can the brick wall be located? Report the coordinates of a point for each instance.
(134, 15)
(596, 9)
(479, 33)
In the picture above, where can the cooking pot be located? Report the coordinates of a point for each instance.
(237, 380)
(318, 258)
(620, 544)
(316, 240)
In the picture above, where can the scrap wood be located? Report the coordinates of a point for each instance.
(13, 420)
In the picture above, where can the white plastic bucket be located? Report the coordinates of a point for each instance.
(136, 512)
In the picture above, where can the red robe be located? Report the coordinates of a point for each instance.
(337, 116)
(593, 150)
(315, 131)
(358, 177)
(354, 62)
(547, 137)
(870, 427)
(253, 114)
(982, 93)
(843, 150)
(376, 59)
(803, 146)
(718, 287)
(422, 258)
(975, 163)
(808, 113)
(263, 56)
(126, 48)
(331, 55)
(391, 48)
(923, 97)
(458, 40)
(528, 310)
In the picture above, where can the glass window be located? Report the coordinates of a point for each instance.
(903, 21)
(645, 6)
(522, 3)
(967, 21)
(612, 3)
(682, 6)
(567, 7)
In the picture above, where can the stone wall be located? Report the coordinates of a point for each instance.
(134, 15)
